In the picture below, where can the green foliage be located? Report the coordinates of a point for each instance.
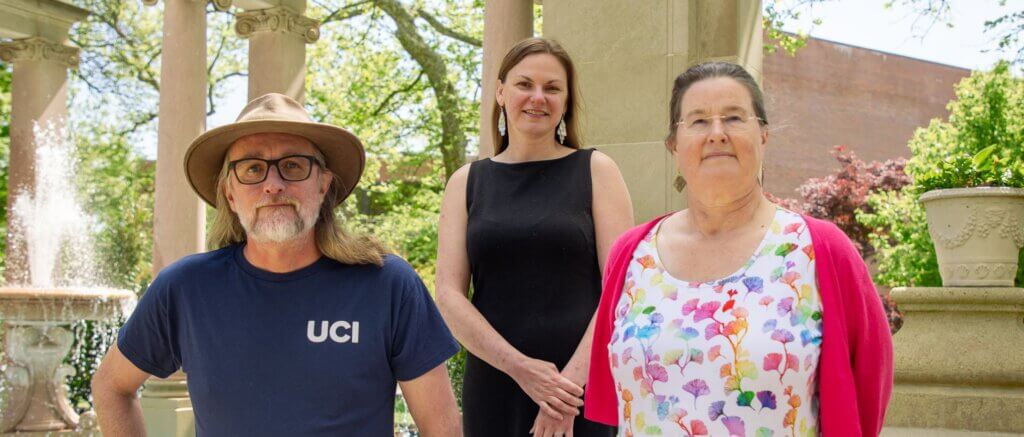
(116, 186)
(981, 170)
(92, 339)
(774, 17)
(903, 248)
(981, 144)
(5, 150)
(456, 371)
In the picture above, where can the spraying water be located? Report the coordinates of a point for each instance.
(48, 220)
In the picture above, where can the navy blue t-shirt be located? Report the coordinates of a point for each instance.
(312, 352)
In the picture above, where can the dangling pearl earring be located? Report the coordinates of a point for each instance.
(501, 122)
(561, 131)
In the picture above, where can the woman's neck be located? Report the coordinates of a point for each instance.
(714, 218)
(523, 149)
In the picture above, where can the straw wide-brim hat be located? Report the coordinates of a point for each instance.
(273, 113)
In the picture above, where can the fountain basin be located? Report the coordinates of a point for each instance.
(63, 305)
(36, 342)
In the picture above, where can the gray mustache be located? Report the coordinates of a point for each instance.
(278, 200)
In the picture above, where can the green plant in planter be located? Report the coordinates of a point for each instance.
(984, 169)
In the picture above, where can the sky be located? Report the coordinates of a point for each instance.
(898, 30)
(861, 23)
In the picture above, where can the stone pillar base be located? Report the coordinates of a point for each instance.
(961, 408)
(934, 432)
(65, 433)
(959, 360)
(168, 417)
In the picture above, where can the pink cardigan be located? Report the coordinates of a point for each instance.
(855, 368)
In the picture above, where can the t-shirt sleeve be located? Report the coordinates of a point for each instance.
(420, 340)
(147, 338)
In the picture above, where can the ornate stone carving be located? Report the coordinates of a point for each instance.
(221, 5)
(981, 223)
(979, 271)
(33, 398)
(36, 49)
(36, 372)
(277, 19)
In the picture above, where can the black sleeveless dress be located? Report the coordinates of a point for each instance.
(533, 261)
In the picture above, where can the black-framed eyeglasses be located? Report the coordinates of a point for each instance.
(292, 168)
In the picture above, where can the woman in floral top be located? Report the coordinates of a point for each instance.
(735, 316)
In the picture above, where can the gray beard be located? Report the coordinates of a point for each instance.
(268, 230)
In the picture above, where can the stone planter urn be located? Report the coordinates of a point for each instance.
(33, 398)
(977, 233)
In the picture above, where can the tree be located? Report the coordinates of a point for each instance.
(453, 136)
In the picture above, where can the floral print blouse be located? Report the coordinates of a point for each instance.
(736, 356)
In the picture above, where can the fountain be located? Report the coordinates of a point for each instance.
(54, 232)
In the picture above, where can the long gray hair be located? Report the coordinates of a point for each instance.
(330, 236)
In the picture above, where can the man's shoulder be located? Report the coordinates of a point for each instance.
(198, 265)
(393, 266)
(395, 276)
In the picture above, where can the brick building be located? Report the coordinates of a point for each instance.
(831, 94)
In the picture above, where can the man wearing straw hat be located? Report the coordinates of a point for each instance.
(290, 326)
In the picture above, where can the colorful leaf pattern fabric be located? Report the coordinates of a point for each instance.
(736, 356)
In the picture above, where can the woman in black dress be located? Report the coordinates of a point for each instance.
(531, 228)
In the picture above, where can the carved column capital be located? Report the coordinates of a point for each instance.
(277, 19)
(38, 49)
(220, 5)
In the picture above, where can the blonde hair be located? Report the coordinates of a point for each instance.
(331, 238)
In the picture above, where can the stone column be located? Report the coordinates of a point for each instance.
(277, 49)
(39, 95)
(626, 60)
(729, 30)
(179, 215)
(506, 22)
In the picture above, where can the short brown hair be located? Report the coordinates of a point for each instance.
(534, 46)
